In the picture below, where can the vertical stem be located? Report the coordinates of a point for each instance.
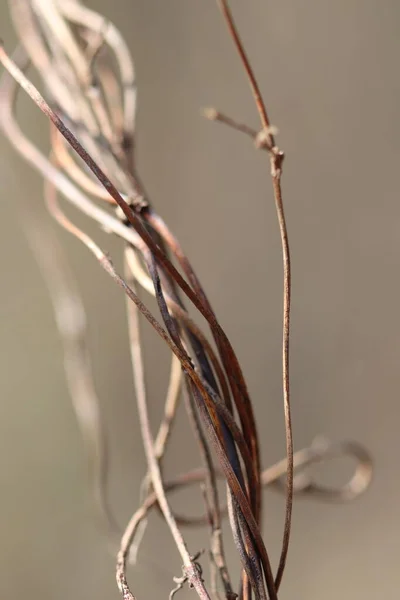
(276, 170)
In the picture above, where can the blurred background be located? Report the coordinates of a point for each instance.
(329, 71)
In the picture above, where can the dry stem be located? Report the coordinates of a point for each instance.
(91, 107)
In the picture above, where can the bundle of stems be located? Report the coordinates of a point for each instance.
(88, 81)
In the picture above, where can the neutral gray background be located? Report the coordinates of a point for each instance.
(330, 74)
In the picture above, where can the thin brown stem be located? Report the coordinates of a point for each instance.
(276, 159)
(276, 173)
(255, 88)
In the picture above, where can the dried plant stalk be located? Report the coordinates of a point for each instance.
(91, 108)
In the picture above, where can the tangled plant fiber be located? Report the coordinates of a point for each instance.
(89, 97)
